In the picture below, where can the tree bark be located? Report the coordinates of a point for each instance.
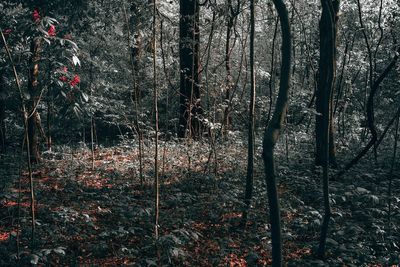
(273, 132)
(326, 57)
(33, 82)
(231, 14)
(189, 44)
(136, 48)
(2, 115)
(327, 68)
(251, 137)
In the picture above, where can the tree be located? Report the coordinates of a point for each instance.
(324, 70)
(155, 99)
(273, 132)
(327, 69)
(33, 88)
(232, 13)
(251, 136)
(189, 44)
(2, 114)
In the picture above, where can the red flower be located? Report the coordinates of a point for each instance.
(52, 30)
(64, 69)
(75, 81)
(63, 79)
(35, 15)
(7, 31)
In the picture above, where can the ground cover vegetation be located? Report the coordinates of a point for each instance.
(199, 133)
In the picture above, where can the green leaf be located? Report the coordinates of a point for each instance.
(34, 259)
(85, 97)
(60, 251)
(76, 60)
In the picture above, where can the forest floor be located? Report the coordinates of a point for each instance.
(104, 216)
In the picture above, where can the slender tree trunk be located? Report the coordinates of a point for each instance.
(273, 132)
(189, 44)
(392, 169)
(327, 69)
(250, 145)
(25, 121)
(370, 114)
(2, 115)
(229, 83)
(370, 75)
(319, 127)
(135, 96)
(394, 118)
(33, 131)
(50, 103)
(272, 71)
(155, 99)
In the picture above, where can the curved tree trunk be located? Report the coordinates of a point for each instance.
(370, 114)
(272, 134)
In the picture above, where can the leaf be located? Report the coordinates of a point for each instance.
(47, 40)
(76, 60)
(151, 262)
(374, 199)
(362, 190)
(332, 242)
(52, 20)
(60, 251)
(85, 97)
(74, 45)
(77, 111)
(34, 259)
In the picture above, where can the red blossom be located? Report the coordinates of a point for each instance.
(75, 81)
(35, 15)
(64, 69)
(52, 30)
(63, 79)
(7, 31)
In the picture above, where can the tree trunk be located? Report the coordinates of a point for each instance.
(327, 69)
(251, 137)
(136, 48)
(2, 115)
(189, 34)
(325, 40)
(272, 134)
(231, 14)
(33, 119)
(370, 114)
(50, 108)
(271, 83)
(156, 174)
